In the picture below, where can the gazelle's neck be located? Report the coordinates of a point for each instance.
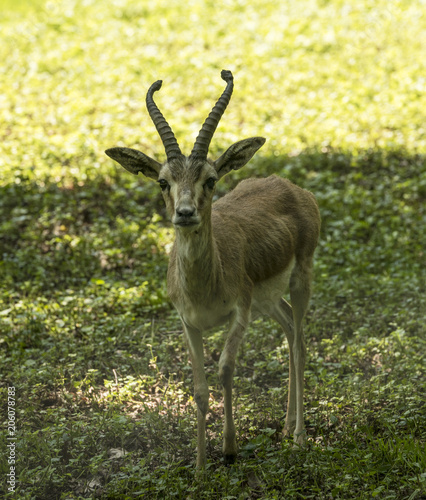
(196, 261)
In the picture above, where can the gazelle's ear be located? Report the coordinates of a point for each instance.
(238, 155)
(134, 161)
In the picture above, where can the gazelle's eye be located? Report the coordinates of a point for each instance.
(163, 184)
(210, 183)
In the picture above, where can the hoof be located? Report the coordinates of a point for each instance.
(229, 459)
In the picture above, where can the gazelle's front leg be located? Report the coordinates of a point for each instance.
(226, 372)
(194, 339)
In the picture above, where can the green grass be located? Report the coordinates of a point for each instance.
(89, 340)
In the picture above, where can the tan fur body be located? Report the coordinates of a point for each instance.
(253, 228)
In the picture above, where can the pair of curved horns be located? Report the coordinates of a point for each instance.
(205, 135)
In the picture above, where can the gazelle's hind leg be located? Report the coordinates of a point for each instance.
(300, 291)
(290, 318)
(283, 314)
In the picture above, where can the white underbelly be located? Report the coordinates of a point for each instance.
(267, 294)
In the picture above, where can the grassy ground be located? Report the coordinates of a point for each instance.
(102, 395)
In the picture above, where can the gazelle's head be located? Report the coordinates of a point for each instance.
(188, 182)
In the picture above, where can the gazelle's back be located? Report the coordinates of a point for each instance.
(266, 219)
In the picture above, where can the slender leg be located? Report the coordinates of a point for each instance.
(283, 314)
(226, 371)
(300, 288)
(194, 339)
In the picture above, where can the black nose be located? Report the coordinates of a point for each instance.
(185, 211)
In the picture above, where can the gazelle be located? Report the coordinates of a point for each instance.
(233, 259)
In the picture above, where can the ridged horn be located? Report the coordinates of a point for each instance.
(166, 134)
(202, 142)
